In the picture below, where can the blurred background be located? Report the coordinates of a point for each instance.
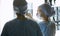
(7, 13)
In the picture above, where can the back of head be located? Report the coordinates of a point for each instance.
(19, 3)
(19, 6)
(47, 9)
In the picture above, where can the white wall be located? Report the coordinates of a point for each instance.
(6, 12)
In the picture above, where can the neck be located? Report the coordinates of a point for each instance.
(46, 19)
(21, 17)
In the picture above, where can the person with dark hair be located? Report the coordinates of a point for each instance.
(44, 12)
(21, 26)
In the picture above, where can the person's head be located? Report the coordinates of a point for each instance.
(19, 7)
(45, 11)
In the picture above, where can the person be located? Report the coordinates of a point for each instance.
(21, 26)
(44, 12)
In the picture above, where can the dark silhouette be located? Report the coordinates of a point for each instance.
(21, 26)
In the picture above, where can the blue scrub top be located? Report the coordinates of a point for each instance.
(47, 28)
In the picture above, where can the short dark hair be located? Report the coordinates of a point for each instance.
(19, 3)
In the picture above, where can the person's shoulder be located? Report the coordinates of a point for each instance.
(10, 22)
(34, 24)
(32, 21)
